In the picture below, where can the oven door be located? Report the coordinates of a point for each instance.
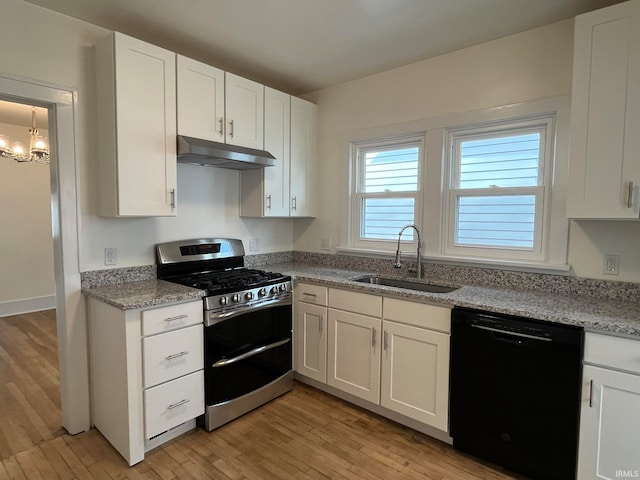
(246, 352)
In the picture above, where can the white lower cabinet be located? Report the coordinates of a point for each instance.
(354, 354)
(389, 352)
(147, 383)
(310, 331)
(415, 373)
(173, 403)
(311, 344)
(610, 414)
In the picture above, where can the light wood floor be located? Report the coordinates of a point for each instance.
(304, 434)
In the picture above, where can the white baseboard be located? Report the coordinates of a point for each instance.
(27, 305)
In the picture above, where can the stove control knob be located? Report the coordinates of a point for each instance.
(249, 296)
(224, 300)
(274, 290)
(262, 292)
(235, 298)
(283, 287)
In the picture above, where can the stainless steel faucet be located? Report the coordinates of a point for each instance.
(398, 263)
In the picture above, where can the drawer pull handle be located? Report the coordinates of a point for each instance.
(310, 295)
(178, 404)
(373, 337)
(177, 355)
(320, 322)
(591, 394)
(386, 340)
(250, 353)
(176, 318)
(630, 196)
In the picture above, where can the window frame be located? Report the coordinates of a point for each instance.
(433, 218)
(545, 125)
(358, 196)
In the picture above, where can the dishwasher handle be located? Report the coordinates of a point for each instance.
(507, 335)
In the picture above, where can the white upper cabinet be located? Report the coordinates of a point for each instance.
(303, 158)
(200, 93)
(288, 188)
(244, 112)
(136, 84)
(604, 172)
(219, 106)
(264, 192)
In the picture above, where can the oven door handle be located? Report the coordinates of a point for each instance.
(250, 353)
(213, 317)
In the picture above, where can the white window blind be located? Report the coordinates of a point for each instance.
(386, 189)
(497, 191)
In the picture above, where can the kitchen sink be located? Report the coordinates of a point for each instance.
(407, 284)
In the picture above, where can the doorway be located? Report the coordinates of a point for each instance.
(71, 327)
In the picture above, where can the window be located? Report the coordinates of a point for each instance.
(497, 193)
(386, 190)
(485, 187)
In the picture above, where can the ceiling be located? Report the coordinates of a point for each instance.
(304, 45)
(19, 114)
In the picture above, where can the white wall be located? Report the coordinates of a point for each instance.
(26, 245)
(524, 67)
(49, 47)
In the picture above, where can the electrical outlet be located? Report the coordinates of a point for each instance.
(611, 265)
(326, 244)
(254, 244)
(110, 256)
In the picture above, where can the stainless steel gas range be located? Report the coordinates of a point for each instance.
(248, 324)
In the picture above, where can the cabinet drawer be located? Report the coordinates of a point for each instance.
(362, 303)
(173, 354)
(417, 314)
(165, 319)
(613, 352)
(173, 403)
(311, 294)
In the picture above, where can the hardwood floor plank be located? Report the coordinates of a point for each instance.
(303, 435)
(13, 468)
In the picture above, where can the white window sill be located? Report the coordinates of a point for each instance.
(552, 269)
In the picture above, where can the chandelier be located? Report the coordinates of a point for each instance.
(38, 151)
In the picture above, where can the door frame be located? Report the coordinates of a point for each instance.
(71, 323)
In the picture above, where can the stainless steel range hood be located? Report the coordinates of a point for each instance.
(205, 152)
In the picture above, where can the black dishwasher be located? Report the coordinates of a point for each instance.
(515, 392)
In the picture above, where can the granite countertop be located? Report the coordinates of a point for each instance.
(614, 317)
(147, 293)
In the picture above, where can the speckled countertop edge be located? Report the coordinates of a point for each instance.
(147, 293)
(613, 317)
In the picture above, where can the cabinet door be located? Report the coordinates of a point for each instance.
(277, 125)
(415, 374)
(244, 112)
(200, 89)
(604, 175)
(303, 158)
(609, 425)
(145, 80)
(354, 354)
(311, 341)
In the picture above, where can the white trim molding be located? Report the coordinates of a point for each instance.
(27, 305)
